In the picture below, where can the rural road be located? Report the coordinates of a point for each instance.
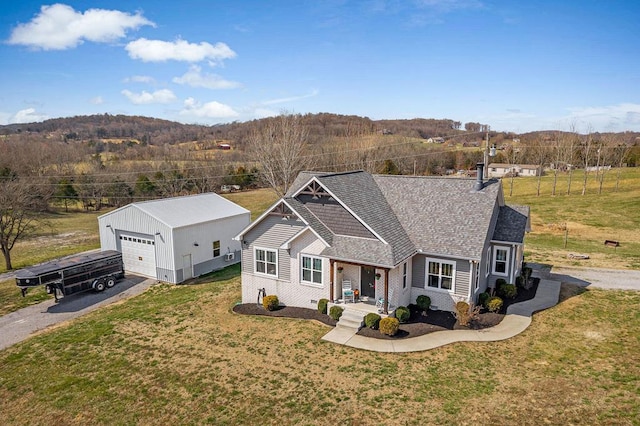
(18, 326)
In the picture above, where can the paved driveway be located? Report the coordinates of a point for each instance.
(18, 326)
(596, 277)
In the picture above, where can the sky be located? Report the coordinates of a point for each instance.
(518, 66)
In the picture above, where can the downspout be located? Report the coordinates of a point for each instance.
(471, 280)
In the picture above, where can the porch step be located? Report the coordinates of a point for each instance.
(351, 319)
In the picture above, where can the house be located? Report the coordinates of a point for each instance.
(501, 170)
(392, 237)
(175, 239)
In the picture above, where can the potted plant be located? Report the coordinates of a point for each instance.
(378, 276)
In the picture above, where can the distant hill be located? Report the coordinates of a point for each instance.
(321, 126)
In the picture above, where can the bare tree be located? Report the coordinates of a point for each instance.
(20, 206)
(540, 153)
(620, 152)
(278, 147)
(587, 153)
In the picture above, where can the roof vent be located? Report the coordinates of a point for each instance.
(479, 179)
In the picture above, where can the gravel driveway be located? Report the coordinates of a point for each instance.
(18, 326)
(595, 277)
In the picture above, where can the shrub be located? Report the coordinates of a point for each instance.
(372, 320)
(270, 302)
(527, 282)
(336, 312)
(322, 305)
(494, 304)
(403, 314)
(423, 302)
(466, 313)
(389, 326)
(500, 282)
(508, 291)
(482, 298)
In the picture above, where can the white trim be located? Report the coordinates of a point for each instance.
(488, 263)
(507, 261)
(255, 269)
(301, 262)
(314, 178)
(439, 288)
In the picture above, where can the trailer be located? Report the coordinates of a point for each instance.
(73, 274)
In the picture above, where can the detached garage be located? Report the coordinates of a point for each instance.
(175, 239)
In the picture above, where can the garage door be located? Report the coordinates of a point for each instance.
(139, 254)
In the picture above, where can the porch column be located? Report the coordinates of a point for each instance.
(386, 291)
(331, 274)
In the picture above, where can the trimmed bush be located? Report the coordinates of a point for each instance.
(372, 320)
(466, 313)
(389, 326)
(322, 305)
(423, 302)
(494, 304)
(500, 282)
(270, 302)
(403, 314)
(508, 291)
(482, 298)
(336, 312)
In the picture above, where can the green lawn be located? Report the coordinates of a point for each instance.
(589, 219)
(178, 355)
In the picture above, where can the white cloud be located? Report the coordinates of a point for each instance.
(264, 113)
(195, 78)
(179, 50)
(59, 27)
(211, 109)
(449, 5)
(163, 96)
(97, 100)
(313, 93)
(28, 115)
(611, 118)
(140, 79)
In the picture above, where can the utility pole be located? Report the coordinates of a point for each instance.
(486, 154)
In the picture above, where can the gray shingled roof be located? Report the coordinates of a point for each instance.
(432, 215)
(442, 215)
(513, 222)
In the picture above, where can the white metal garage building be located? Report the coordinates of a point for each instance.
(175, 239)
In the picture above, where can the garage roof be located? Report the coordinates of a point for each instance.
(177, 212)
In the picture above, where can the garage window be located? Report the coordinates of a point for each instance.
(216, 248)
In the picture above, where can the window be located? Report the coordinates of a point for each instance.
(476, 271)
(216, 248)
(440, 274)
(266, 261)
(500, 260)
(404, 275)
(311, 270)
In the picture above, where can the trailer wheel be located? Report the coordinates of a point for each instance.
(111, 282)
(98, 285)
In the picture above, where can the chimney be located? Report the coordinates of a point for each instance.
(479, 184)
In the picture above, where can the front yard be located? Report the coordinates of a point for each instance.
(178, 354)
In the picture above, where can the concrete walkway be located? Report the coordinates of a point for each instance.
(516, 320)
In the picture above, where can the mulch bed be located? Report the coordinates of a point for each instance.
(418, 325)
(284, 311)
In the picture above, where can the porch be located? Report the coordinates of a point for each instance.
(370, 285)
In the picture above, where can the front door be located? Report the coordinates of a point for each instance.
(368, 281)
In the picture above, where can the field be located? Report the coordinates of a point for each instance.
(586, 220)
(178, 355)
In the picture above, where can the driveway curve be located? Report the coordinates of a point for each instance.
(20, 325)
